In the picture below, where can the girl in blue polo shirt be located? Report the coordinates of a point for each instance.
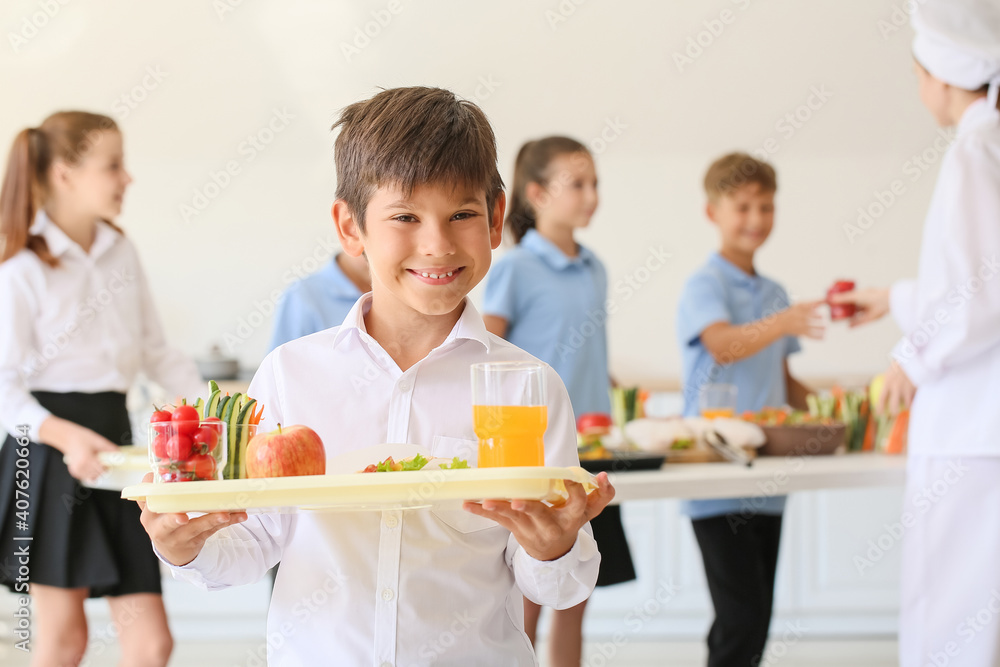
(547, 296)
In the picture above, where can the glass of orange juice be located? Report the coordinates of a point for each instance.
(509, 413)
(717, 400)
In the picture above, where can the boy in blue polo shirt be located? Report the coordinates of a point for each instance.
(321, 300)
(738, 327)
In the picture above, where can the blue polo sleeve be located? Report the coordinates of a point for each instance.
(294, 317)
(702, 303)
(501, 289)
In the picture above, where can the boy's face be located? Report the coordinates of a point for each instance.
(744, 216)
(425, 251)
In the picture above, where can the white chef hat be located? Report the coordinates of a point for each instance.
(958, 42)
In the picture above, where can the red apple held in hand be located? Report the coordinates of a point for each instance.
(286, 452)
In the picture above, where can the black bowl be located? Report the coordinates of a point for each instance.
(624, 462)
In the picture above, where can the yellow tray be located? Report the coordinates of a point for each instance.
(360, 491)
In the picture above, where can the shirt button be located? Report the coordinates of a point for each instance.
(387, 594)
(391, 522)
(404, 385)
(386, 664)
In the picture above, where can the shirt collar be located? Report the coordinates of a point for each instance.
(59, 243)
(338, 284)
(733, 272)
(470, 325)
(977, 113)
(551, 254)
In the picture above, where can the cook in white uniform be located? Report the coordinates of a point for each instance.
(949, 356)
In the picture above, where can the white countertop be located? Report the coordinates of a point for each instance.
(767, 477)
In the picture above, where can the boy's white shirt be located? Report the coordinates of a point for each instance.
(419, 587)
(950, 315)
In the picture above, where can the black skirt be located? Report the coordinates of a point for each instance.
(80, 537)
(616, 559)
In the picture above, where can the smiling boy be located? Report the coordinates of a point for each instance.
(419, 195)
(737, 327)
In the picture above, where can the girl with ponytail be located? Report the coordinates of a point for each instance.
(76, 327)
(547, 296)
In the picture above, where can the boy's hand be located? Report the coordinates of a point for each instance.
(178, 538)
(871, 303)
(803, 319)
(544, 532)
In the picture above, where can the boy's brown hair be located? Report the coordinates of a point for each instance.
(735, 170)
(407, 137)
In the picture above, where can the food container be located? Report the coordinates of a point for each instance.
(185, 451)
(803, 439)
(218, 366)
(841, 311)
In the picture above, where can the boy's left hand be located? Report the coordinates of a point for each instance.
(547, 532)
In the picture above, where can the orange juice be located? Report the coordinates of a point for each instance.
(510, 435)
(715, 413)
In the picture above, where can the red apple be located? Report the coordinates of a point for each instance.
(286, 452)
(593, 423)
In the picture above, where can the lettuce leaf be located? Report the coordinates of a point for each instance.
(455, 464)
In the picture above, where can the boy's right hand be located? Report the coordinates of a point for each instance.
(803, 319)
(177, 537)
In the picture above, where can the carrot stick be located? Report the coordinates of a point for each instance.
(896, 442)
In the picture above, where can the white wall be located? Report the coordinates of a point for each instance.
(223, 73)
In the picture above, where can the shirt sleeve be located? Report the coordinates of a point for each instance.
(902, 303)
(567, 581)
(293, 318)
(243, 553)
(170, 368)
(702, 303)
(500, 299)
(955, 306)
(17, 354)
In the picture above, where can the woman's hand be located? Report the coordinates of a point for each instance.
(547, 532)
(80, 446)
(897, 392)
(872, 303)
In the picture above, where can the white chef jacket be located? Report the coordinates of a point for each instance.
(950, 314)
(418, 587)
(88, 325)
